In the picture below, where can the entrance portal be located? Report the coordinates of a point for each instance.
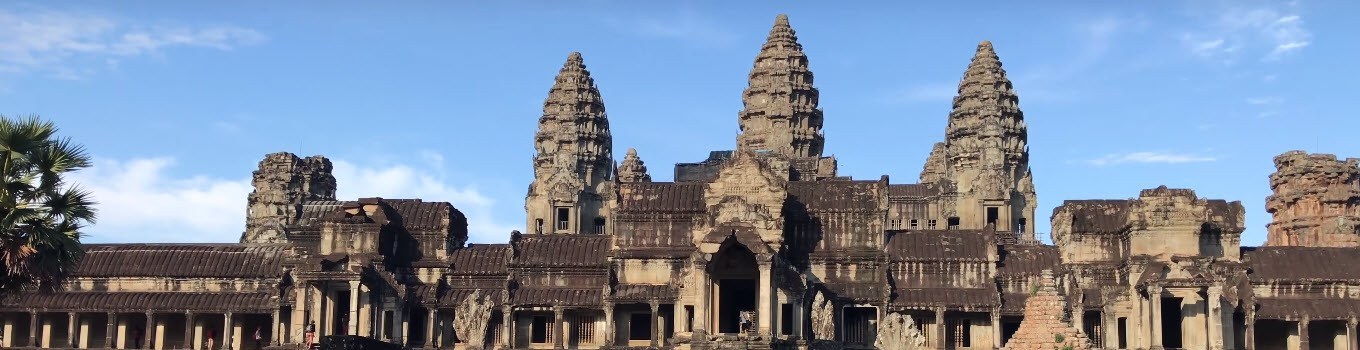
(734, 275)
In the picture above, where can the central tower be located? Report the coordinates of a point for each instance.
(780, 113)
(573, 164)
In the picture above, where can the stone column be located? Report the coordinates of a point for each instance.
(1250, 337)
(800, 318)
(7, 333)
(276, 327)
(33, 329)
(146, 331)
(46, 332)
(1351, 334)
(678, 314)
(353, 326)
(609, 327)
(996, 329)
(508, 327)
(298, 323)
(71, 330)
(1155, 296)
(764, 314)
(400, 322)
(226, 331)
(110, 319)
(429, 328)
(557, 331)
(1213, 319)
(122, 341)
(198, 334)
(365, 312)
(701, 300)
(1303, 333)
(656, 323)
(939, 329)
(189, 329)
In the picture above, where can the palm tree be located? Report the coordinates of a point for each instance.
(40, 214)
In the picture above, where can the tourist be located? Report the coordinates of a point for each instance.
(258, 339)
(311, 333)
(208, 344)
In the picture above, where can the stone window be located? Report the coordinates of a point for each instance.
(563, 218)
(538, 226)
(993, 214)
(1020, 227)
(962, 333)
(640, 326)
(599, 225)
(539, 332)
(954, 223)
(584, 329)
(930, 224)
(913, 224)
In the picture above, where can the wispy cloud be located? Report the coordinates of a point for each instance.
(1271, 30)
(49, 40)
(1149, 158)
(685, 26)
(142, 199)
(1265, 100)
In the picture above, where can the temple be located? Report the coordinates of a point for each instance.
(765, 245)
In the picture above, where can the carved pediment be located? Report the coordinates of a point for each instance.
(748, 193)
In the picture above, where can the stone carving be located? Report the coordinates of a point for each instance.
(934, 169)
(633, 169)
(283, 182)
(1046, 326)
(470, 319)
(748, 192)
(898, 332)
(823, 318)
(1316, 201)
(574, 163)
(781, 113)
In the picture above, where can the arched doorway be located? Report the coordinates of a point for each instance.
(734, 273)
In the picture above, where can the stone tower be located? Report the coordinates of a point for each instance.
(1316, 201)
(282, 184)
(985, 152)
(633, 169)
(781, 113)
(573, 164)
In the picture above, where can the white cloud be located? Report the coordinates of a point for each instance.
(1270, 30)
(1265, 100)
(140, 200)
(53, 41)
(684, 26)
(1149, 158)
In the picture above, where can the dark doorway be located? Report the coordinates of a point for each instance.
(734, 270)
(1171, 322)
(340, 308)
(861, 326)
(993, 214)
(1124, 333)
(1008, 327)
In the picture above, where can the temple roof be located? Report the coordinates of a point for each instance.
(837, 195)
(940, 245)
(1314, 309)
(661, 197)
(479, 259)
(554, 296)
(182, 260)
(945, 297)
(912, 190)
(561, 251)
(177, 302)
(1097, 215)
(1027, 260)
(1303, 263)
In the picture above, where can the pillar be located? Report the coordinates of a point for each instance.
(763, 298)
(701, 300)
(122, 342)
(1250, 320)
(160, 334)
(800, 317)
(557, 328)
(324, 309)
(189, 329)
(996, 329)
(198, 334)
(656, 324)
(609, 328)
(429, 327)
(678, 314)
(400, 322)
(146, 331)
(1155, 296)
(939, 329)
(110, 319)
(1303, 333)
(298, 324)
(71, 329)
(365, 313)
(276, 326)
(1213, 319)
(508, 327)
(33, 329)
(7, 333)
(227, 331)
(1350, 334)
(353, 326)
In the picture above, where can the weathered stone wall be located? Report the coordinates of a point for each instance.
(1166, 222)
(1315, 201)
(1046, 325)
(282, 183)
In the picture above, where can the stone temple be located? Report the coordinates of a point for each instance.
(763, 246)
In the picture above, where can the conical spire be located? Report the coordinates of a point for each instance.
(987, 115)
(633, 169)
(574, 130)
(781, 113)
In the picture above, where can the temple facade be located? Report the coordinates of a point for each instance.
(765, 245)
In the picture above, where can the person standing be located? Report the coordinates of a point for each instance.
(208, 344)
(311, 333)
(258, 339)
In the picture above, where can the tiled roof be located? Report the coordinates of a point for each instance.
(836, 195)
(643, 292)
(314, 212)
(160, 301)
(416, 214)
(661, 196)
(1315, 309)
(1013, 303)
(548, 296)
(1027, 260)
(940, 245)
(182, 260)
(479, 259)
(455, 297)
(945, 297)
(912, 190)
(561, 250)
(1303, 263)
(857, 291)
(1097, 215)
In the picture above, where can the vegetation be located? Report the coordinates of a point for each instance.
(41, 214)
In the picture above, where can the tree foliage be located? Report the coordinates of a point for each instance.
(41, 214)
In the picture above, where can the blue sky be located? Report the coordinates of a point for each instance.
(178, 101)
